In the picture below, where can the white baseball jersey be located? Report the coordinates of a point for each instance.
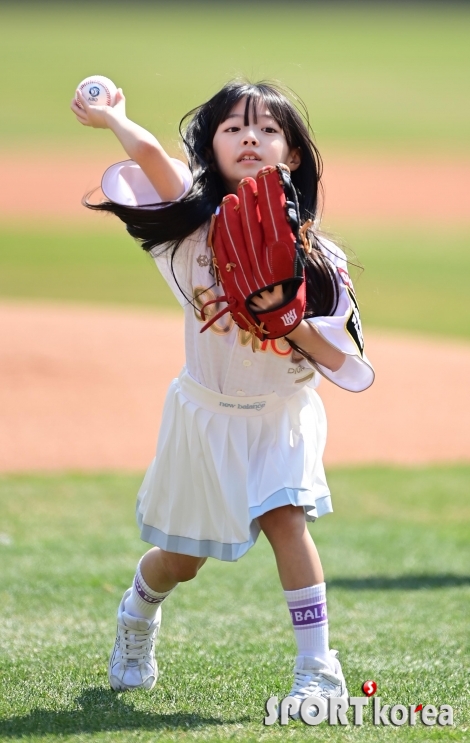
(222, 358)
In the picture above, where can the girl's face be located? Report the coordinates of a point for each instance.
(241, 149)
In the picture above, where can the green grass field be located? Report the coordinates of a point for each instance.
(80, 266)
(374, 75)
(396, 557)
(415, 280)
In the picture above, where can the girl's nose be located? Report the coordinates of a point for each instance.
(250, 138)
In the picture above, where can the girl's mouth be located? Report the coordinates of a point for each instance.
(248, 157)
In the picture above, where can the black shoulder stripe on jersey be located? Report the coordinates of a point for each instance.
(353, 325)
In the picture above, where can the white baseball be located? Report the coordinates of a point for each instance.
(97, 91)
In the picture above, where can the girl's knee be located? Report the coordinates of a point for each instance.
(183, 567)
(281, 520)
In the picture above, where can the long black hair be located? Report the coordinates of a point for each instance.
(169, 226)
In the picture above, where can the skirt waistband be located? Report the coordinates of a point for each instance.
(218, 403)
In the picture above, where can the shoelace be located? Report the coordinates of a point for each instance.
(308, 684)
(136, 645)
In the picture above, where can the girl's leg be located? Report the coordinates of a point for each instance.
(132, 664)
(317, 670)
(157, 574)
(163, 570)
(298, 561)
(301, 576)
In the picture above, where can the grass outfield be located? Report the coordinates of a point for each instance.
(68, 265)
(372, 74)
(396, 556)
(415, 280)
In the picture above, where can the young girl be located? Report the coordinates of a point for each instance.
(243, 430)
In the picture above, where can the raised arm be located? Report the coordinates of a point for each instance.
(139, 144)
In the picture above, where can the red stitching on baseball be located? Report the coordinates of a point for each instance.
(90, 81)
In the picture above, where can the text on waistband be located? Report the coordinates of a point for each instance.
(249, 406)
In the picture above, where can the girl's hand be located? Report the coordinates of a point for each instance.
(269, 299)
(99, 117)
(139, 144)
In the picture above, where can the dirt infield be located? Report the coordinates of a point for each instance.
(51, 185)
(83, 389)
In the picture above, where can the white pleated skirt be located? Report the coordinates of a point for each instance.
(222, 462)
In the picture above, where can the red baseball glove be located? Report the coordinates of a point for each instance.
(257, 244)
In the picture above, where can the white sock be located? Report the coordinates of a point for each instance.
(143, 600)
(310, 621)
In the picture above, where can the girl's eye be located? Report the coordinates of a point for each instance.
(270, 130)
(233, 129)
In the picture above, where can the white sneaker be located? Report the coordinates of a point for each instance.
(132, 664)
(315, 678)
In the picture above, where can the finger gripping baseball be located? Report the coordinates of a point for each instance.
(256, 246)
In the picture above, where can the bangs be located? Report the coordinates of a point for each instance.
(278, 105)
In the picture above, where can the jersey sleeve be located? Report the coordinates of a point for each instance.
(125, 183)
(343, 329)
